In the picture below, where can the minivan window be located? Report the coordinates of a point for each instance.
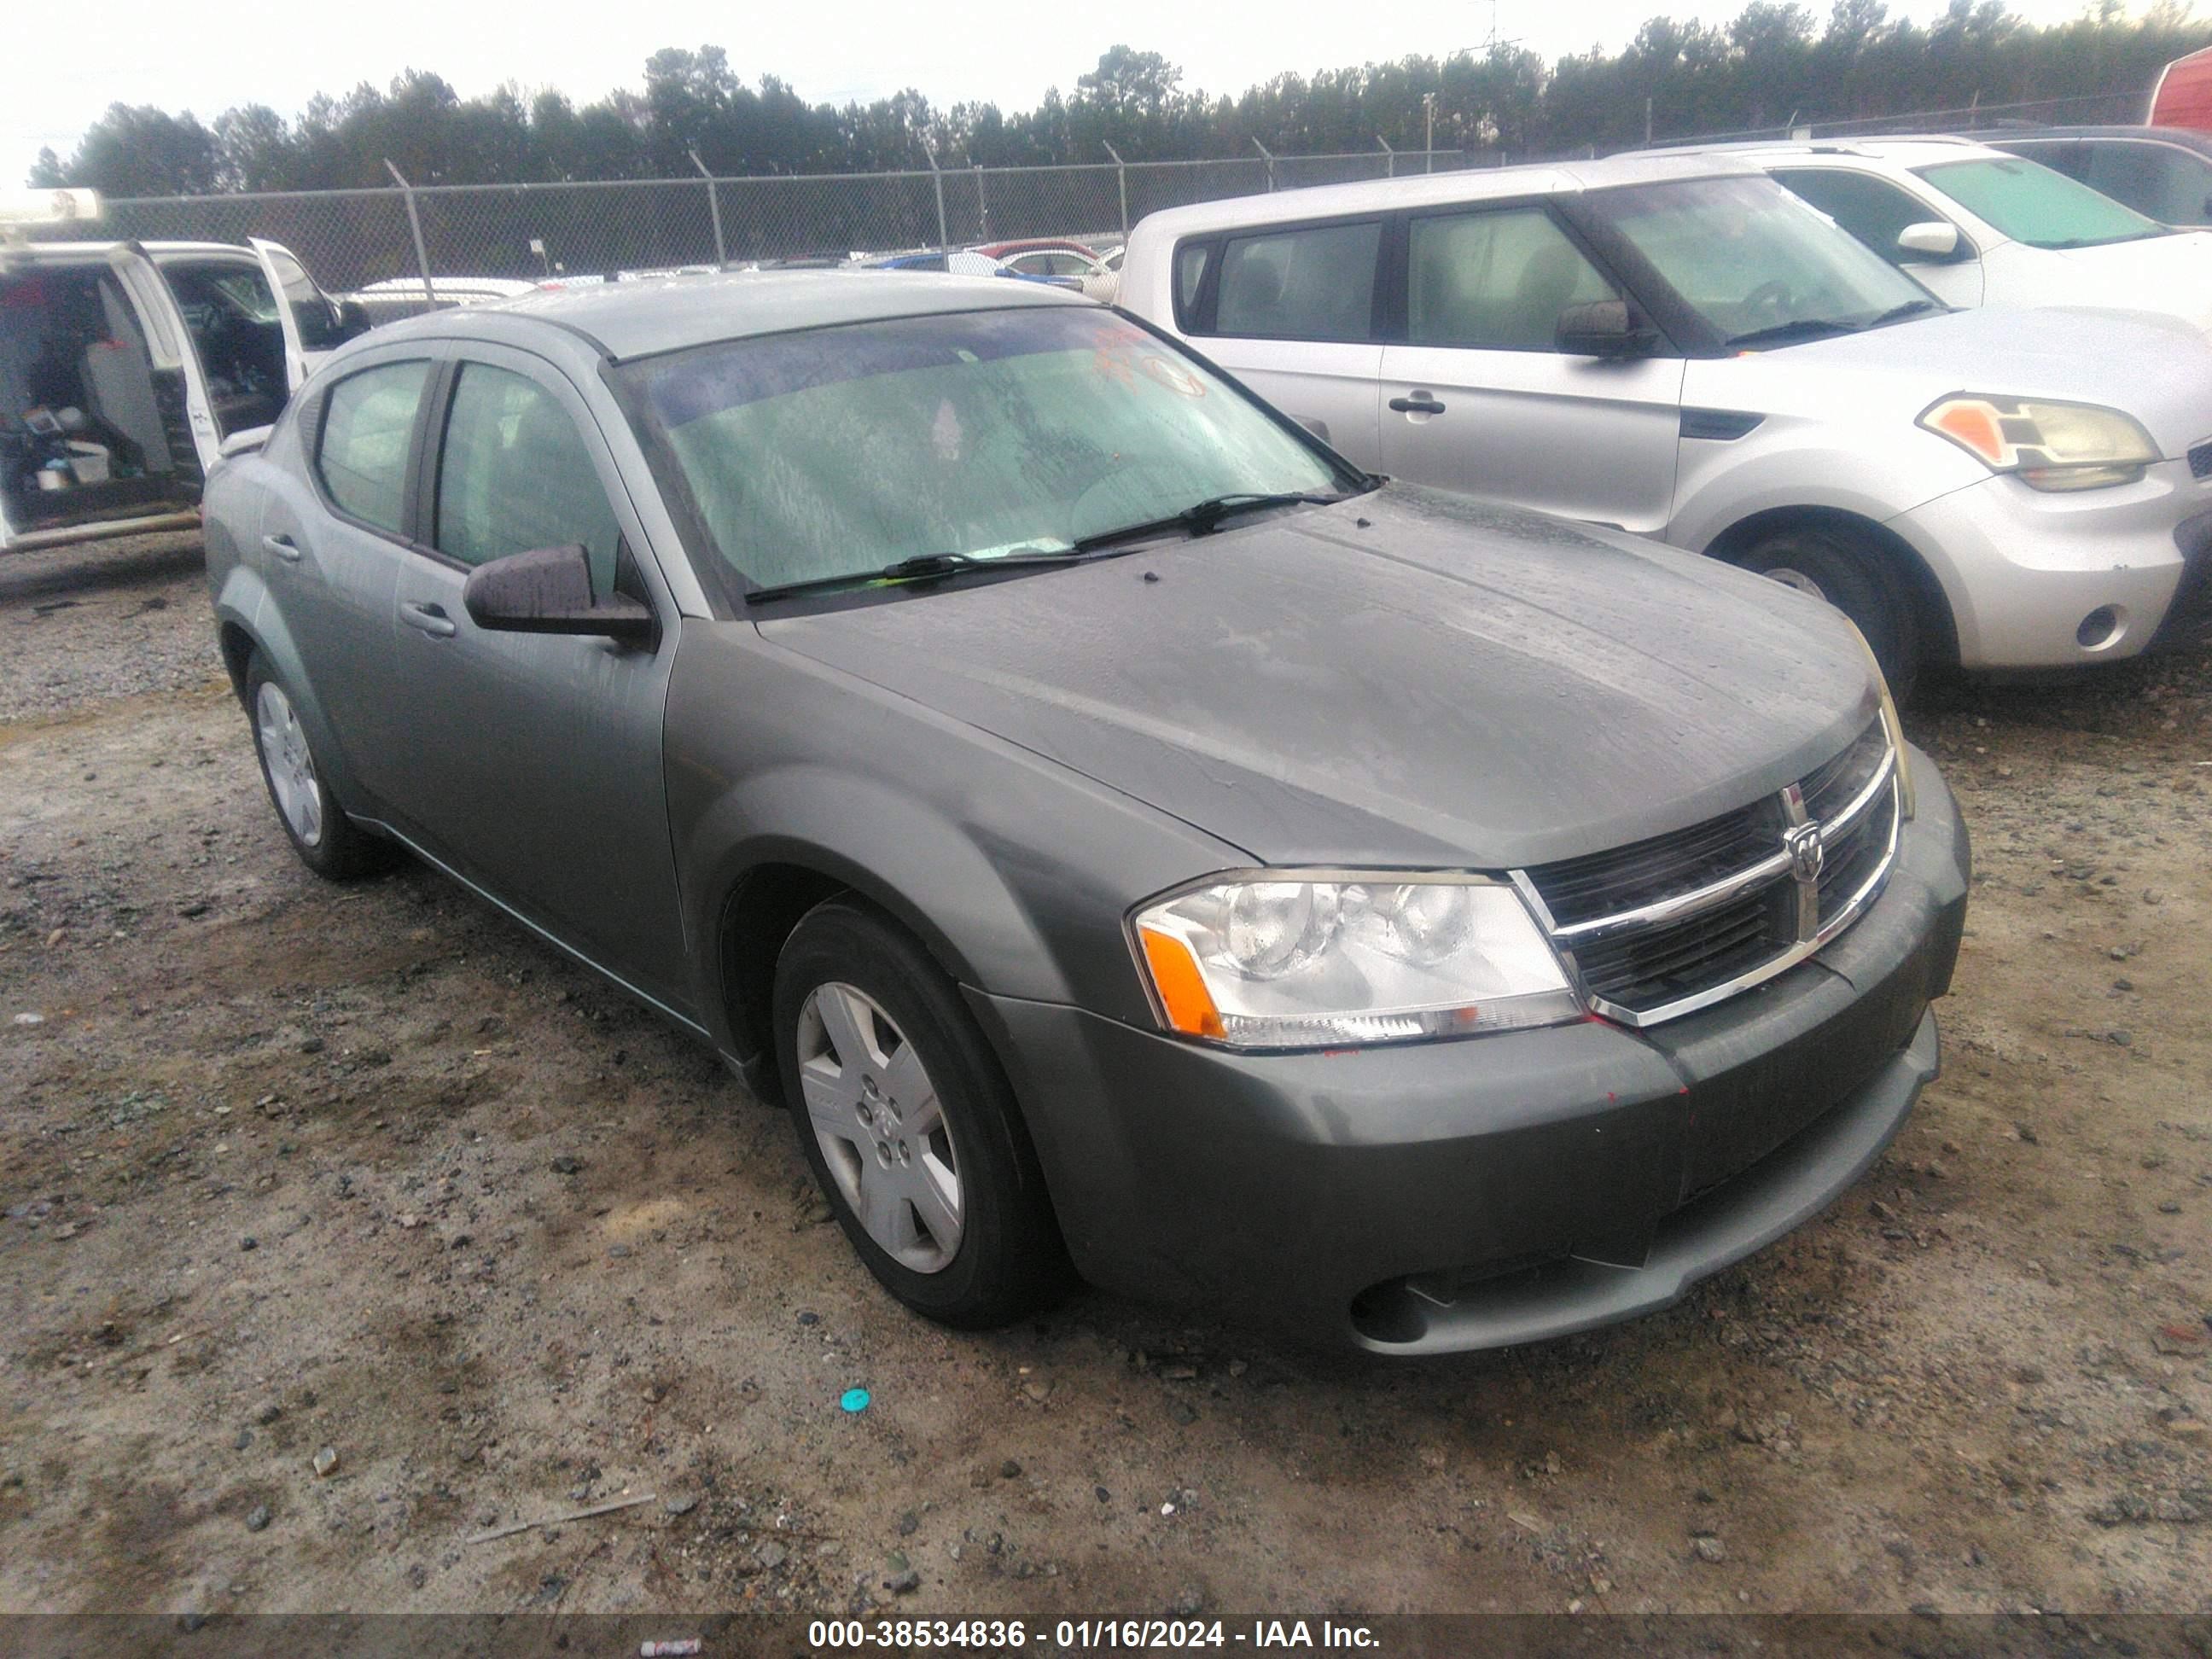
(1312, 284)
(515, 475)
(1756, 263)
(2034, 205)
(1190, 273)
(317, 320)
(816, 454)
(1496, 280)
(367, 428)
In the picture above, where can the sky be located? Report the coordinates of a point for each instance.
(1005, 51)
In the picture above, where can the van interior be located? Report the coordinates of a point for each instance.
(89, 429)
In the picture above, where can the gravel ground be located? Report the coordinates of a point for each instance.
(287, 1166)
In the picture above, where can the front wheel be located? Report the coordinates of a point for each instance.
(909, 1124)
(327, 842)
(1856, 577)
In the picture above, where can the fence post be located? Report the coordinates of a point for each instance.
(982, 207)
(1390, 166)
(713, 206)
(1122, 173)
(1264, 151)
(937, 177)
(415, 224)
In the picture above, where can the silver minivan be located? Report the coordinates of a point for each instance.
(126, 366)
(1681, 347)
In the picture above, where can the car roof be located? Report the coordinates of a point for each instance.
(76, 249)
(1907, 150)
(2199, 142)
(1443, 189)
(641, 320)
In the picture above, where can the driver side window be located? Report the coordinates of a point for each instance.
(514, 474)
(1497, 281)
(1872, 210)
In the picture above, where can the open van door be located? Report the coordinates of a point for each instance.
(177, 412)
(313, 325)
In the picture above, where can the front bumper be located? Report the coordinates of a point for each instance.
(2024, 568)
(1437, 1197)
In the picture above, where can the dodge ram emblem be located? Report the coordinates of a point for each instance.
(1808, 853)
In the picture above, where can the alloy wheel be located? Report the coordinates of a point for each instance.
(290, 762)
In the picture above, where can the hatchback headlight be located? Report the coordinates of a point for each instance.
(2047, 446)
(1262, 962)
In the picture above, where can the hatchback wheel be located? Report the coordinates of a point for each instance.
(909, 1124)
(327, 842)
(1854, 575)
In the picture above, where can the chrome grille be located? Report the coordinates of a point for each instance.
(1677, 922)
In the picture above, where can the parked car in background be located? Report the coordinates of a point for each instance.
(395, 297)
(125, 366)
(960, 262)
(1677, 346)
(1119, 830)
(1013, 253)
(2182, 96)
(2162, 173)
(1981, 227)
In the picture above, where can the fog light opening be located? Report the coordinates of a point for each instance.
(2102, 629)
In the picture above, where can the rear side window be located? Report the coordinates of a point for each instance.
(1191, 261)
(1497, 279)
(1312, 284)
(1872, 210)
(515, 475)
(367, 428)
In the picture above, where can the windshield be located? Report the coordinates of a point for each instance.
(1752, 260)
(2029, 202)
(840, 451)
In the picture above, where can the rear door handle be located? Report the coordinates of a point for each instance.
(282, 546)
(1417, 406)
(429, 618)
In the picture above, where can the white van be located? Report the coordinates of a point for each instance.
(124, 367)
(1681, 347)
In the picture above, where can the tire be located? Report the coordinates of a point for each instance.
(1852, 573)
(918, 1145)
(328, 842)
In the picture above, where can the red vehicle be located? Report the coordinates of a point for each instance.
(1037, 244)
(2183, 97)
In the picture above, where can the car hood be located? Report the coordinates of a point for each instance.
(1407, 678)
(2155, 368)
(2168, 276)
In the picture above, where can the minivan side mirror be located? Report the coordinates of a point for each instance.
(1936, 239)
(548, 590)
(1602, 328)
(354, 319)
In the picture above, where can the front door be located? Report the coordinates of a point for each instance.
(533, 762)
(1479, 398)
(312, 328)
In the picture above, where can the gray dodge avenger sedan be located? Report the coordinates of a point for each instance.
(1133, 842)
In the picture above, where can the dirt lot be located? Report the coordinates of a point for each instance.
(287, 1166)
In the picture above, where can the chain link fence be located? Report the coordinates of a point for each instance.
(357, 239)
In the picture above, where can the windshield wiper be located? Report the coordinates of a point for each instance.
(1790, 333)
(1910, 308)
(922, 566)
(1203, 518)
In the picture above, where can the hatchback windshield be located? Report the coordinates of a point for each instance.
(2029, 202)
(1758, 264)
(840, 451)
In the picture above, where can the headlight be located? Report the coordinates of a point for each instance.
(2048, 446)
(1263, 962)
(1891, 725)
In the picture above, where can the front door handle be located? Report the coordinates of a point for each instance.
(282, 546)
(429, 618)
(1417, 406)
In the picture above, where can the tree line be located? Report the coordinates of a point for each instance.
(1771, 64)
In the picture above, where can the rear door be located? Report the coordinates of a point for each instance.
(186, 412)
(1478, 397)
(312, 328)
(1290, 311)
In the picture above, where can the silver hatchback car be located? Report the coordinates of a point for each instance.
(1681, 347)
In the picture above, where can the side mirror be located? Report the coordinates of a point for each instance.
(548, 590)
(1936, 239)
(354, 319)
(1603, 328)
